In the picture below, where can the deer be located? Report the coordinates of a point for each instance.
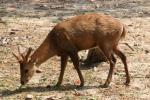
(70, 36)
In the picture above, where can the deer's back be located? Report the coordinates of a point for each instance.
(85, 31)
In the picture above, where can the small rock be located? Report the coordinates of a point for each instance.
(130, 25)
(92, 0)
(56, 7)
(44, 98)
(95, 69)
(92, 91)
(26, 37)
(12, 32)
(77, 93)
(77, 82)
(5, 61)
(147, 76)
(47, 98)
(4, 40)
(41, 7)
(16, 38)
(147, 51)
(15, 30)
(29, 97)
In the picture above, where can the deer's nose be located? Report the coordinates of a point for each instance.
(22, 83)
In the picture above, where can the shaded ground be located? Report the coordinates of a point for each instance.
(28, 23)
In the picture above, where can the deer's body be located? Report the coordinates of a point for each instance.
(80, 33)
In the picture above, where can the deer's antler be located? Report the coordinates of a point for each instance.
(16, 56)
(22, 56)
(28, 53)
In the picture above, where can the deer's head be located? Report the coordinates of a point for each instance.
(27, 68)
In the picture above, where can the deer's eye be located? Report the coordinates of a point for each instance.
(26, 71)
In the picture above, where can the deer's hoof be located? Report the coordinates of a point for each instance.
(48, 86)
(105, 85)
(57, 85)
(80, 86)
(127, 84)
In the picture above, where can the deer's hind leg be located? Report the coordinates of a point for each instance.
(112, 60)
(124, 61)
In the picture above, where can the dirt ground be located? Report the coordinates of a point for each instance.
(27, 23)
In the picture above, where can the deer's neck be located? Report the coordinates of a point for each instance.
(43, 52)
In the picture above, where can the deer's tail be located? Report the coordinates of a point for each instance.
(123, 33)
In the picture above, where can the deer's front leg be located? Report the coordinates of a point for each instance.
(63, 67)
(75, 60)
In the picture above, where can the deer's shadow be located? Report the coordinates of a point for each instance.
(6, 93)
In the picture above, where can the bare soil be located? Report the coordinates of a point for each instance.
(27, 23)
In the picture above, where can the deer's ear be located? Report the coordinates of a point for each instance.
(38, 71)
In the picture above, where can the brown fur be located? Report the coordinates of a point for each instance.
(80, 33)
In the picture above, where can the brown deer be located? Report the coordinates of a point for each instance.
(69, 37)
